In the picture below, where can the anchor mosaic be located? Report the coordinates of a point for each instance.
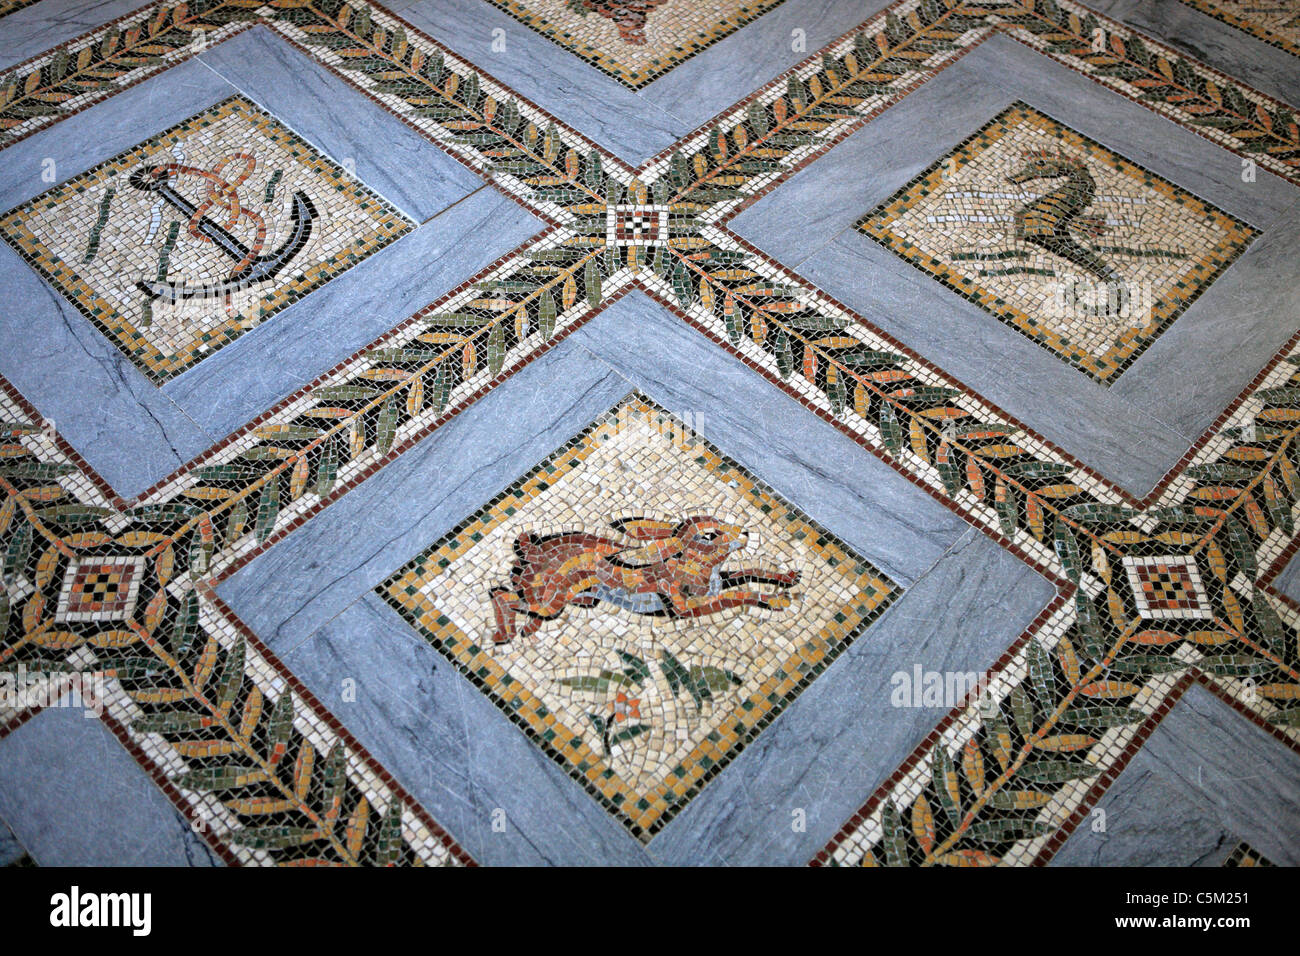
(179, 246)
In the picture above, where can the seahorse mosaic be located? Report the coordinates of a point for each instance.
(1076, 247)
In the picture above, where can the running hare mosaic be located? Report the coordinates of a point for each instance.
(635, 41)
(641, 607)
(1070, 244)
(179, 246)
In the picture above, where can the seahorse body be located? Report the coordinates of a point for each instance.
(1046, 221)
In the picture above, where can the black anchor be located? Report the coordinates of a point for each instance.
(259, 269)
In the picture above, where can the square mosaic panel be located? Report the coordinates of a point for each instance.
(1276, 22)
(1072, 245)
(1246, 855)
(13, 6)
(180, 245)
(641, 607)
(635, 41)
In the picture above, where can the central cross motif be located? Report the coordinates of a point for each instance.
(636, 225)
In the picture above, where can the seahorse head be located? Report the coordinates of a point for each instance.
(1045, 163)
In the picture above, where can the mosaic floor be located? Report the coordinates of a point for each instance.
(621, 432)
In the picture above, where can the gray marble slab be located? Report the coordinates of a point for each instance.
(75, 797)
(843, 736)
(1212, 351)
(1288, 579)
(599, 106)
(1248, 779)
(45, 25)
(1133, 431)
(389, 157)
(11, 851)
(709, 82)
(448, 744)
(1205, 779)
(1146, 820)
(594, 104)
(1236, 52)
(288, 591)
(127, 430)
(314, 334)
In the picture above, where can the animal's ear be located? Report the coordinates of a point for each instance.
(643, 529)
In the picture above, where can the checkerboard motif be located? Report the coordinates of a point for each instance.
(637, 225)
(100, 589)
(1167, 587)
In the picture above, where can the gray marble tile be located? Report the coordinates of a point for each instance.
(1205, 779)
(87, 138)
(314, 334)
(1288, 579)
(1212, 351)
(11, 851)
(594, 104)
(458, 755)
(1249, 780)
(1236, 52)
(292, 589)
(1133, 431)
(842, 737)
(711, 81)
(45, 25)
(126, 429)
(388, 156)
(1145, 820)
(288, 591)
(75, 797)
(672, 105)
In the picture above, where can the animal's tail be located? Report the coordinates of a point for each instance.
(1117, 292)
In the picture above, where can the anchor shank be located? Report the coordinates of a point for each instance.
(223, 239)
